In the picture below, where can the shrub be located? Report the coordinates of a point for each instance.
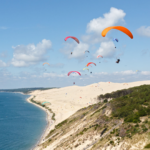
(105, 101)
(147, 146)
(112, 142)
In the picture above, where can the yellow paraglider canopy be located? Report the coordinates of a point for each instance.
(121, 28)
(86, 68)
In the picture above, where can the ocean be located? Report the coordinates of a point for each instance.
(21, 123)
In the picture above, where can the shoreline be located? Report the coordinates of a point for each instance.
(49, 123)
(48, 118)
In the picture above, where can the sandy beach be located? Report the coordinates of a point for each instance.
(67, 100)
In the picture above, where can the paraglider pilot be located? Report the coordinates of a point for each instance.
(118, 60)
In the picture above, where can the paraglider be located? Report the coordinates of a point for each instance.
(115, 40)
(86, 68)
(45, 102)
(99, 56)
(72, 38)
(90, 72)
(137, 71)
(71, 53)
(118, 60)
(73, 82)
(74, 72)
(87, 51)
(46, 63)
(121, 28)
(90, 63)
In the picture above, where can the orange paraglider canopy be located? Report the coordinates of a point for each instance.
(121, 28)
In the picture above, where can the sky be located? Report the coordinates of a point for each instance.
(33, 31)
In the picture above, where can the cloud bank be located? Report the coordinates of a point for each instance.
(25, 55)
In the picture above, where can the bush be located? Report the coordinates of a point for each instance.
(62, 123)
(144, 129)
(147, 146)
(137, 125)
(105, 101)
(128, 103)
(112, 142)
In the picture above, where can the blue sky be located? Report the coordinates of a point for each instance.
(32, 32)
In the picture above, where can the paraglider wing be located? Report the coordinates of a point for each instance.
(86, 68)
(45, 102)
(90, 63)
(87, 51)
(99, 56)
(121, 28)
(72, 38)
(46, 63)
(115, 40)
(75, 72)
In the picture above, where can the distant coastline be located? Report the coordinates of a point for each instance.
(25, 91)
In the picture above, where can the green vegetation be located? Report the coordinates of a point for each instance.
(61, 124)
(147, 146)
(130, 104)
(111, 142)
(38, 103)
(116, 94)
(105, 101)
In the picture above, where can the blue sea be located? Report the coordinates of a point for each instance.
(21, 123)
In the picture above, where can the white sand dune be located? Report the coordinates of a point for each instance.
(66, 101)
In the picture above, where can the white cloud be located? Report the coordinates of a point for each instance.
(46, 75)
(95, 27)
(94, 38)
(111, 18)
(101, 73)
(145, 72)
(76, 49)
(58, 65)
(7, 80)
(127, 72)
(2, 64)
(143, 31)
(25, 55)
(107, 50)
(3, 54)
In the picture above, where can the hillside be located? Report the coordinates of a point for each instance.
(121, 120)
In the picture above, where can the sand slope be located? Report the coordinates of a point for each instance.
(66, 101)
